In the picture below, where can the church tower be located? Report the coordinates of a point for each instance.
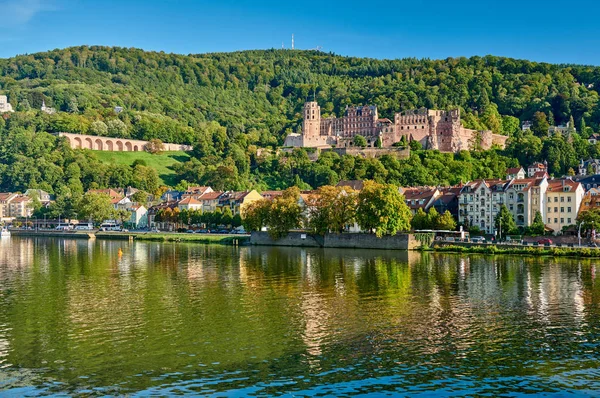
(311, 126)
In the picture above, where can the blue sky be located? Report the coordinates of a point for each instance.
(540, 30)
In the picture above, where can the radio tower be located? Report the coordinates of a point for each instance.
(292, 41)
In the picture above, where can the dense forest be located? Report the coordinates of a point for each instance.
(230, 105)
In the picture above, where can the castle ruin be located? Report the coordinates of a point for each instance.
(434, 129)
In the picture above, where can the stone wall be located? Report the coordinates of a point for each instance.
(346, 241)
(403, 153)
(96, 143)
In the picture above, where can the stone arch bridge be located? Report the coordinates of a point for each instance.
(95, 143)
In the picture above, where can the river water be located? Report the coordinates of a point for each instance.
(77, 317)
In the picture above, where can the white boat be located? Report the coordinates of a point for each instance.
(5, 233)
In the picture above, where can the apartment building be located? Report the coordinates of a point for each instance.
(563, 200)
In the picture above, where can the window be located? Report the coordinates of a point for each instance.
(556, 209)
(569, 220)
(555, 220)
(569, 199)
(562, 199)
(568, 209)
(549, 220)
(511, 207)
(555, 199)
(562, 220)
(549, 210)
(562, 209)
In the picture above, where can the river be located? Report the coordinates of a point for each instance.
(80, 318)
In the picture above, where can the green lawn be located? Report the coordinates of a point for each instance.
(161, 162)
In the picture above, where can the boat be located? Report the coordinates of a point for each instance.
(5, 233)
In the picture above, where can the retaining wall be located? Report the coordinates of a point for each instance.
(345, 241)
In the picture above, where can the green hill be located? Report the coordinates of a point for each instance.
(163, 162)
(229, 105)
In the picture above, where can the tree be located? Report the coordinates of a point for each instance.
(415, 145)
(285, 213)
(537, 227)
(446, 222)
(505, 222)
(226, 216)
(116, 128)
(589, 218)
(432, 218)
(256, 215)
(122, 215)
(154, 146)
(378, 143)
(99, 128)
(360, 141)
(381, 208)
(540, 124)
(140, 197)
(97, 207)
(420, 220)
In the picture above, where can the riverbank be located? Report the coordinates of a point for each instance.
(232, 240)
(339, 241)
(586, 252)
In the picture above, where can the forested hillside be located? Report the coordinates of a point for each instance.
(229, 105)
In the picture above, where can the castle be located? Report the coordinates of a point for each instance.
(434, 129)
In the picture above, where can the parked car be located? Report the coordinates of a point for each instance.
(545, 241)
(189, 231)
(478, 239)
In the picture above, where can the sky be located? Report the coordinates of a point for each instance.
(538, 30)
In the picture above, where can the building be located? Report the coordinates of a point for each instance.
(594, 138)
(448, 200)
(537, 167)
(270, 195)
(434, 129)
(171, 195)
(515, 173)
(563, 197)
(588, 181)
(524, 198)
(591, 165)
(139, 216)
(236, 201)
(357, 185)
(196, 192)
(210, 201)
(189, 203)
(5, 106)
(591, 200)
(420, 197)
(47, 109)
(5, 199)
(20, 207)
(479, 202)
(564, 129)
(527, 124)
(44, 197)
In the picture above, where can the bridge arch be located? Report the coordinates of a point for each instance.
(135, 148)
(128, 147)
(99, 145)
(89, 143)
(119, 146)
(77, 144)
(109, 145)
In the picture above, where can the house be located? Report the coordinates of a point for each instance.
(563, 201)
(527, 124)
(139, 216)
(190, 204)
(589, 167)
(357, 185)
(594, 138)
(515, 172)
(5, 199)
(5, 106)
(564, 129)
(536, 167)
(270, 195)
(154, 210)
(171, 195)
(196, 192)
(236, 201)
(44, 197)
(420, 198)
(540, 174)
(448, 200)
(588, 181)
(524, 198)
(20, 207)
(210, 201)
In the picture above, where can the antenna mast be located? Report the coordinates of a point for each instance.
(292, 41)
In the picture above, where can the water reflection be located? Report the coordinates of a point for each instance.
(118, 317)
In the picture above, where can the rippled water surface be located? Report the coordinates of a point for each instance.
(163, 319)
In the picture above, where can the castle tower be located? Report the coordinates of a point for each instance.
(311, 125)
